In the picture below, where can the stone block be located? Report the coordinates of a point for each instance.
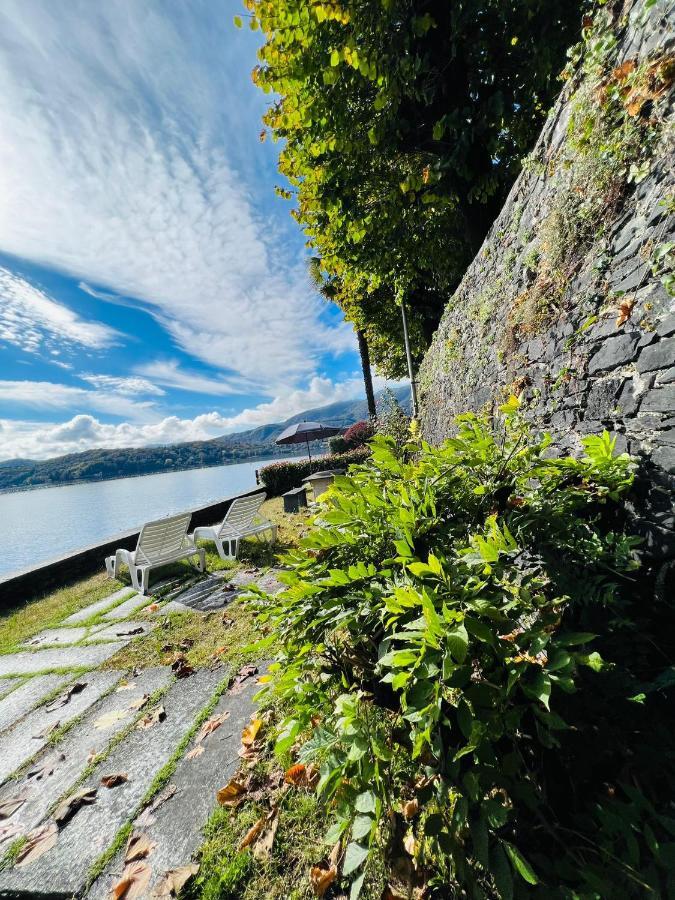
(27, 662)
(615, 351)
(660, 400)
(660, 355)
(28, 695)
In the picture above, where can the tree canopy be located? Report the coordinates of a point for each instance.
(403, 123)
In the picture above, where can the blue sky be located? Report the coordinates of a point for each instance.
(153, 288)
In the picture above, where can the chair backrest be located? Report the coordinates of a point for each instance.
(242, 512)
(163, 537)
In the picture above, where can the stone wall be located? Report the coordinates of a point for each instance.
(569, 304)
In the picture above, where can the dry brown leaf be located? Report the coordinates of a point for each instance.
(249, 733)
(301, 775)
(9, 807)
(7, 832)
(146, 818)
(174, 881)
(321, 878)
(620, 73)
(181, 667)
(139, 846)
(38, 842)
(68, 807)
(211, 725)
(109, 719)
(129, 632)
(195, 752)
(91, 756)
(232, 794)
(410, 808)
(125, 686)
(152, 608)
(242, 675)
(133, 882)
(253, 833)
(263, 845)
(139, 703)
(64, 698)
(410, 843)
(111, 781)
(152, 718)
(45, 767)
(625, 311)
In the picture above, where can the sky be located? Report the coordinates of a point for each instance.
(153, 288)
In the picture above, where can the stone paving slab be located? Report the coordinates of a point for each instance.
(24, 698)
(95, 608)
(70, 757)
(31, 734)
(176, 829)
(7, 685)
(27, 662)
(55, 636)
(62, 871)
(120, 632)
(128, 608)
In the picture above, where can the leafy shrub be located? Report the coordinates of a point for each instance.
(460, 662)
(358, 434)
(280, 477)
(392, 419)
(338, 444)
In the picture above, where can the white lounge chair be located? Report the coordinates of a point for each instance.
(242, 519)
(161, 542)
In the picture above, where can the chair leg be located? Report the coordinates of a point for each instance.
(202, 560)
(134, 572)
(145, 582)
(110, 566)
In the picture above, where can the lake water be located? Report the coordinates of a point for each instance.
(39, 525)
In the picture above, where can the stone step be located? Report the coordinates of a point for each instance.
(55, 636)
(31, 734)
(24, 698)
(83, 615)
(127, 608)
(177, 825)
(27, 662)
(70, 757)
(63, 870)
(122, 631)
(7, 685)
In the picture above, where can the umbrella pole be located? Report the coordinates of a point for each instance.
(308, 452)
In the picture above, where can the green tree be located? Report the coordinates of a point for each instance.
(403, 125)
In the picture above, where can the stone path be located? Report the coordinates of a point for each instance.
(110, 729)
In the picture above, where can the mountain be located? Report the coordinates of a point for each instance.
(94, 465)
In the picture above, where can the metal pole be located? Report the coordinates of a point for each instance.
(308, 451)
(408, 355)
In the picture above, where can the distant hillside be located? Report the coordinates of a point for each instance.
(94, 465)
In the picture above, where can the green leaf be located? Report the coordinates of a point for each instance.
(355, 856)
(520, 864)
(237, 21)
(457, 640)
(362, 827)
(365, 803)
(335, 58)
(357, 884)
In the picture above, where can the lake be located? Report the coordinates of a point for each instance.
(38, 525)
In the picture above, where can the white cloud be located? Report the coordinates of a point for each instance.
(50, 397)
(37, 440)
(170, 374)
(124, 163)
(31, 320)
(129, 385)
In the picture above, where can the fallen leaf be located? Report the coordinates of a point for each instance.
(186, 644)
(7, 832)
(211, 725)
(410, 843)
(174, 881)
(139, 703)
(625, 311)
(133, 882)
(322, 875)
(218, 651)
(249, 733)
(152, 718)
(152, 608)
(68, 807)
(129, 632)
(620, 73)
(45, 767)
(146, 818)
(93, 753)
(111, 781)
(181, 667)
(253, 833)
(109, 719)
(64, 698)
(263, 845)
(242, 675)
(301, 775)
(227, 621)
(47, 731)
(195, 752)
(232, 794)
(410, 809)
(9, 807)
(38, 842)
(126, 686)
(139, 846)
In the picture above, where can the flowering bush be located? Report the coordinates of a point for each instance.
(280, 477)
(358, 434)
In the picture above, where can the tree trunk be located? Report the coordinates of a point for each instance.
(367, 376)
